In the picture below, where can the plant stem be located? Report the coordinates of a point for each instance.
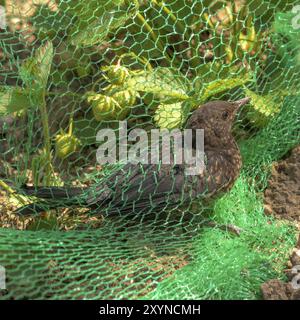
(55, 94)
(181, 29)
(95, 83)
(208, 20)
(47, 141)
(180, 26)
(149, 29)
(9, 190)
(153, 35)
(144, 61)
(71, 122)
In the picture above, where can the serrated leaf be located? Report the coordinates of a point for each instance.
(35, 70)
(208, 73)
(96, 31)
(165, 83)
(221, 85)
(263, 107)
(13, 99)
(169, 116)
(46, 20)
(44, 57)
(85, 10)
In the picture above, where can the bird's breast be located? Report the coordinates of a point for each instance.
(221, 171)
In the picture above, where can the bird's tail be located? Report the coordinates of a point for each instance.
(54, 193)
(51, 198)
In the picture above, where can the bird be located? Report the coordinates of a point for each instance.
(146, 188)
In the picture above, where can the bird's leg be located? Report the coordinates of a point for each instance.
(225, 227)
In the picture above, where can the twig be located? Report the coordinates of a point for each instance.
(9, 190)
(47, 140)
(225, 227)
(144, 61)
(148, 28)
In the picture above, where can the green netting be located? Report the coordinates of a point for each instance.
(70, 68)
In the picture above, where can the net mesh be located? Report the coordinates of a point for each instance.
(70, 68)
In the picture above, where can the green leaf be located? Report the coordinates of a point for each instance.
(263, 107)
(209, 72)
(221, 85)
(46, 20)
(214, 4)
(282, 64)
(98, 29)
(165, 83)
(13, 99)
(44, 57)
(169, 116)
(86, 10)
(35, 70)
(264, 10)
(286, 36)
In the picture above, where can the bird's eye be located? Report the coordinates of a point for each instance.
(225, 115)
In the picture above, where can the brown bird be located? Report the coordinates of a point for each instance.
(147, 188)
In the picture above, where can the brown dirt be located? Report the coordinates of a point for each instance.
(282, 197)
(276, 289)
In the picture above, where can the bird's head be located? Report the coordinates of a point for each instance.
(216, 118)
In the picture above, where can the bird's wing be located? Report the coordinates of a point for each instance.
(140, 187)
(137, 186)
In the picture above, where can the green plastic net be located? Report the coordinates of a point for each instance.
(70, 68)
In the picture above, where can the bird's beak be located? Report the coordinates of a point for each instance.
(242, 102)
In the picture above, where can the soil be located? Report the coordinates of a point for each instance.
(282, 197)
(276, 289)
